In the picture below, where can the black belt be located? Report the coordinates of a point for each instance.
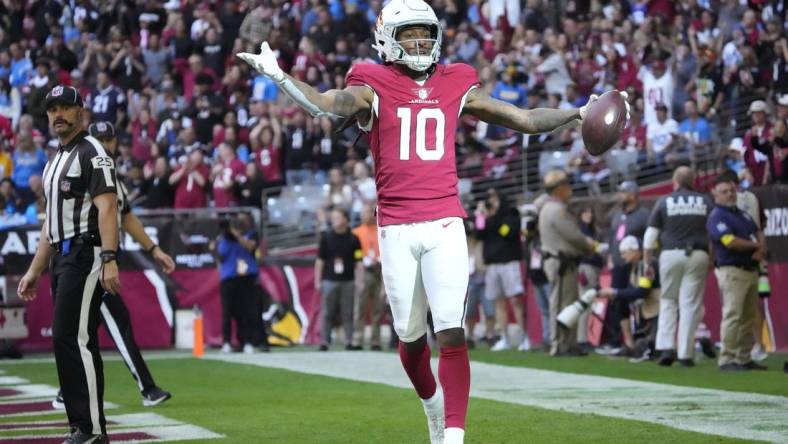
(742, 267)
(89, 239)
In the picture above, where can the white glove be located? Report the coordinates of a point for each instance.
(625, 96)
(265, 63)
(591, 99)
(584, 109)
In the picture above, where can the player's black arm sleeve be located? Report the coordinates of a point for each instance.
(528, 121)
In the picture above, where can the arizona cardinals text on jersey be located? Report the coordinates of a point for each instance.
(412, 133)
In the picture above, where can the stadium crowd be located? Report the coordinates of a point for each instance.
(707, 81)
(198, 129)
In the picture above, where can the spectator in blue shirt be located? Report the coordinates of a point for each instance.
(29, 160)
(695, 131)
(239, 282)
(21, 67)
(264, 89)
(738, 247)
(509, 91)
(5, 65)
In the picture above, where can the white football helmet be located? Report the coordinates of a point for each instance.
(401, 13)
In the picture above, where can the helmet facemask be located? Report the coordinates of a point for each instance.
(427, 50)
(392, 50)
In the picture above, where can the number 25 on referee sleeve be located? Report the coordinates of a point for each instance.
(105, 164)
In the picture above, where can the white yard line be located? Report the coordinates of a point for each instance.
(715, 412)
(158, 427)
(106, 356)
(12, 380)
(30, 391)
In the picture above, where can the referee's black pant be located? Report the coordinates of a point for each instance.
(116, 319)
(77, 297)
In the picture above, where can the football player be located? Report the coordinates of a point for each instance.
(410, 105)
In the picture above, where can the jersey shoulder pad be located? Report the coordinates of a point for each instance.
(367, 74)
(461, 72)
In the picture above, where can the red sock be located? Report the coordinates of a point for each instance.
(417, 366)
(454, 372)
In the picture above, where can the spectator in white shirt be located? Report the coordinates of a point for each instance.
(364, 190)
(657, 88)
(661, 137)
(556, 75)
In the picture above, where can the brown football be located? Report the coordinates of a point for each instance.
(604, 122)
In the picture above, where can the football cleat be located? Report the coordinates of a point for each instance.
(79, 437)
(155, 396)
(58, 403)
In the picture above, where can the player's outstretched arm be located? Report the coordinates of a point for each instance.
(344, 103)
(529, 121)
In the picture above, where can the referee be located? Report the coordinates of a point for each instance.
(114, 312)
(678, 227)
(80, 238)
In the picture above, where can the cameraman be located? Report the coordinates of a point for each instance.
(238, 273)
(640, 287)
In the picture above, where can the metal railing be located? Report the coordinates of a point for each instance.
(289, 213)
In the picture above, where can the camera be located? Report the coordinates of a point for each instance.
(569, 315)
(225, 225)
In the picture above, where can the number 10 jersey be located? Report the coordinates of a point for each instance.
(411, 135)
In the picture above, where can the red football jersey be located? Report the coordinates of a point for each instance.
(411, 137)
(224, 198)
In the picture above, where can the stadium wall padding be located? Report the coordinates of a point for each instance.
(201, 287)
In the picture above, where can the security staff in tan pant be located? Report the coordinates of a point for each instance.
(563, 244)
(738, 247)
(677, 227)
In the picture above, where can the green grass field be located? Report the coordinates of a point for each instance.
(251, 404)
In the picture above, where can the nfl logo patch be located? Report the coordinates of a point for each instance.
(57, 91)
(422, 93)
(65, 186)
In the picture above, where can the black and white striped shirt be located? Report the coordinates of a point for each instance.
(124, 207)
(78, 172)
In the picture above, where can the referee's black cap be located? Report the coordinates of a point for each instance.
(102, 130)
(66, 95)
